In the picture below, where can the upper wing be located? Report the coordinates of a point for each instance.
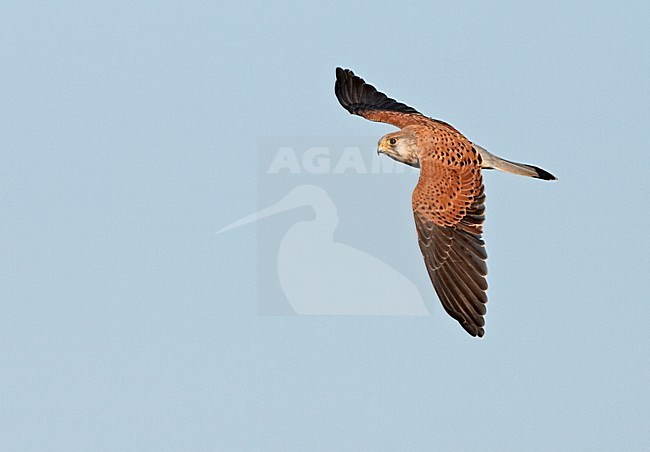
(448, 202)
(360, 98)
(448, 205)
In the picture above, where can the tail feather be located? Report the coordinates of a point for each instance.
(491, 161)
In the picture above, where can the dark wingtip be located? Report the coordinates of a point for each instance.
(473, 330)
(343, 88)
(356, 96)
(543, 174)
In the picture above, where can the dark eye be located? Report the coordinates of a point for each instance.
(392, 141)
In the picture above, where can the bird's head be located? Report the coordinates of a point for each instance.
(400, 146)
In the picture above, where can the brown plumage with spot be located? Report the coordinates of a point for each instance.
(448, 200)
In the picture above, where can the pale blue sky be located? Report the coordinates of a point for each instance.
(128, 137)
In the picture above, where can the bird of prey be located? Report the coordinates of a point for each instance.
(448, 200)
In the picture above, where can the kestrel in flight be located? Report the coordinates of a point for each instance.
(448, 200)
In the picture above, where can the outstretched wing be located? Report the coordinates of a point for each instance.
(448, 201)
(360, 98)
(448, 205)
